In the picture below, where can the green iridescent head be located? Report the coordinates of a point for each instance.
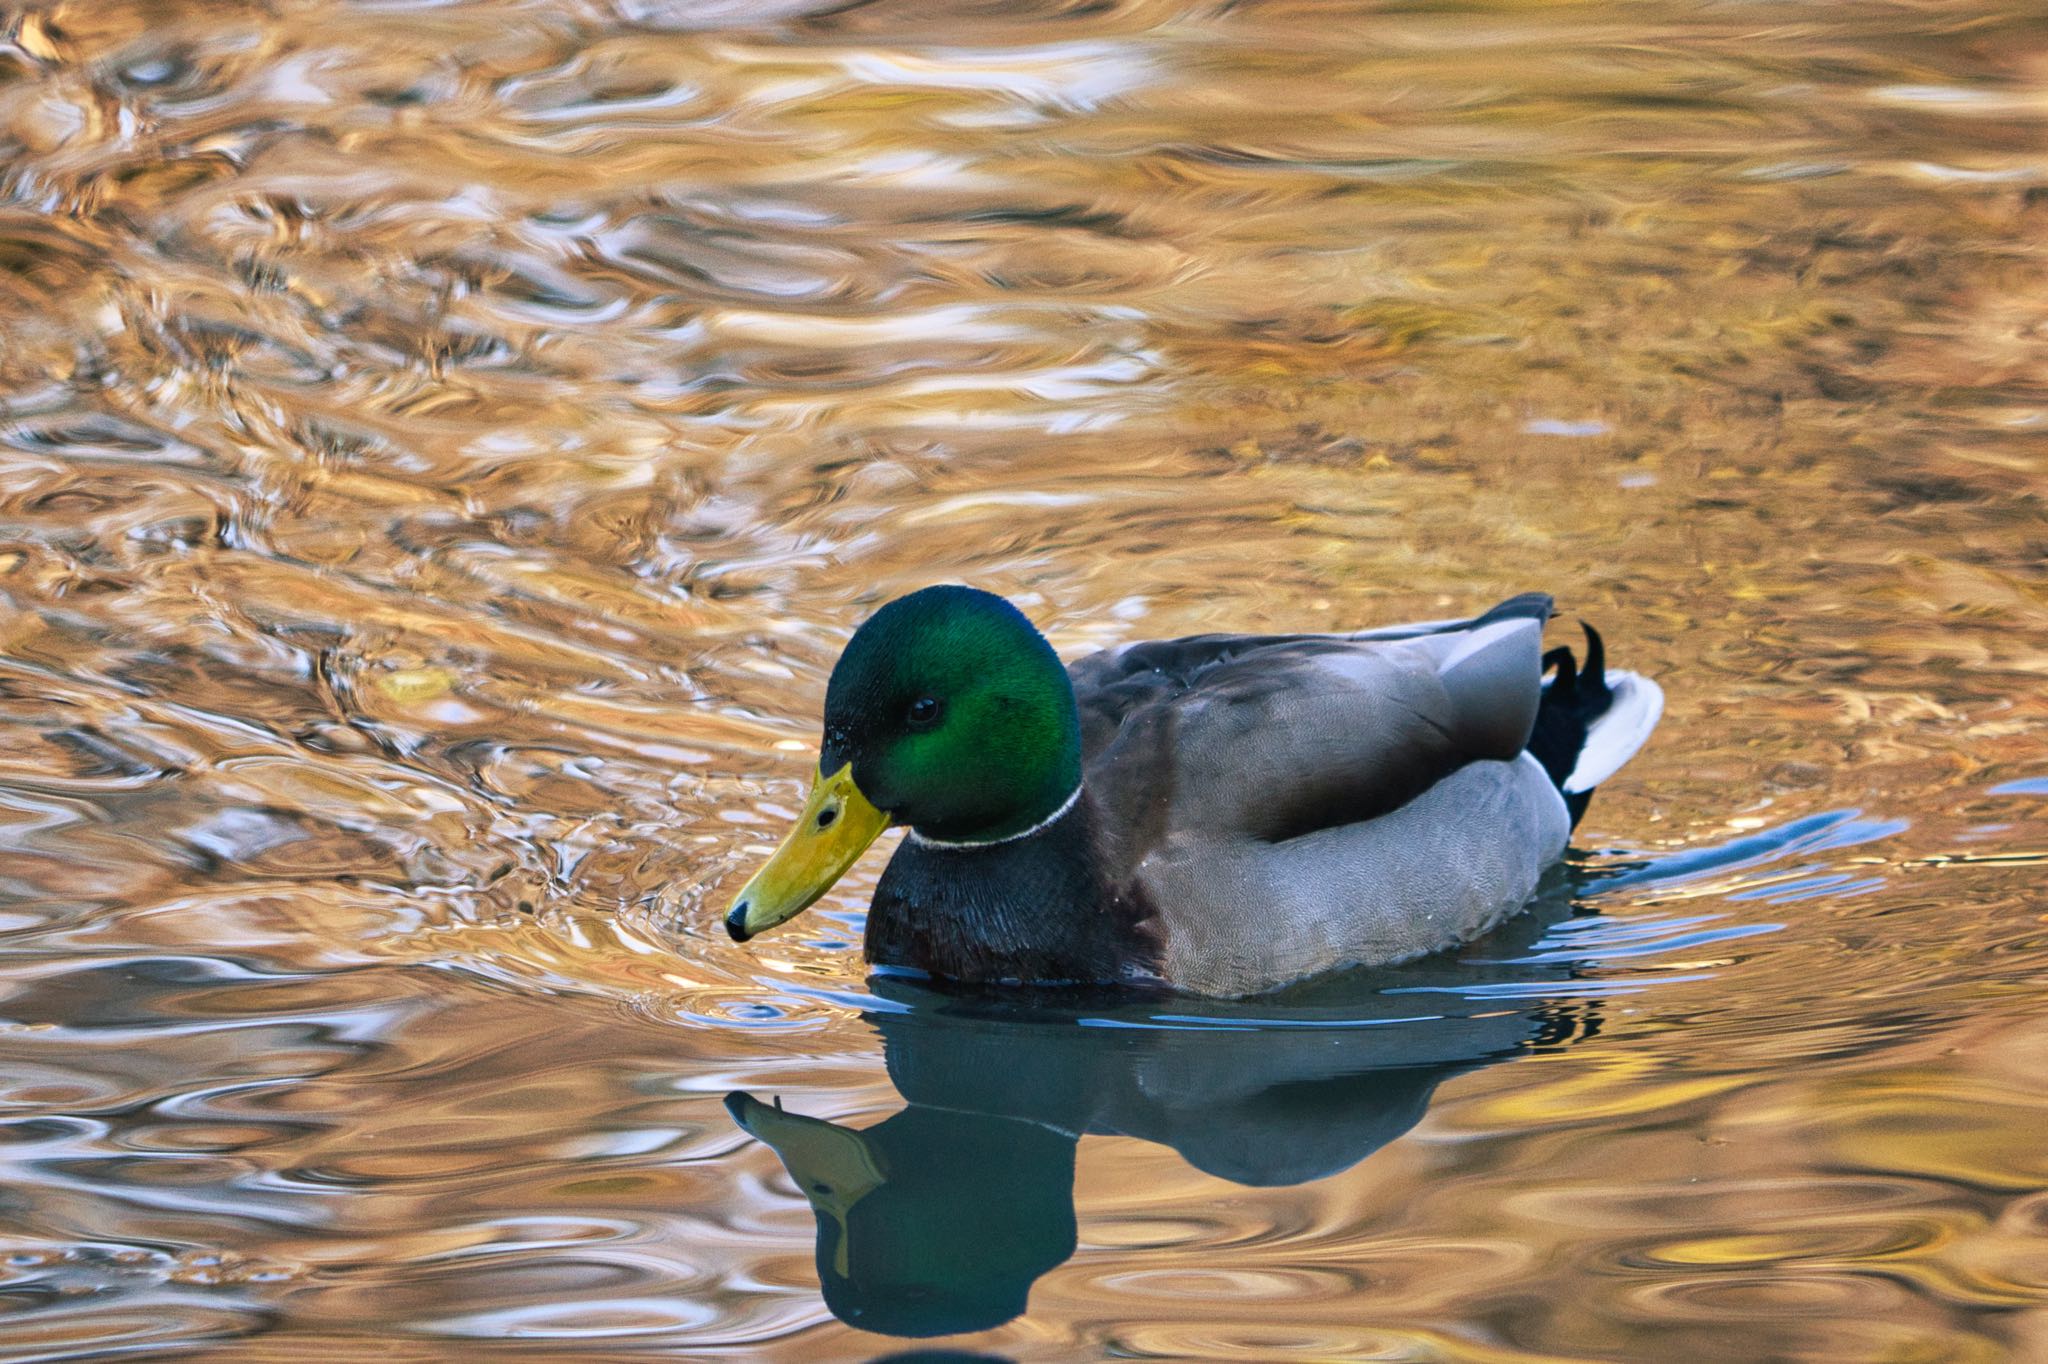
(948, 712)
(956, 716)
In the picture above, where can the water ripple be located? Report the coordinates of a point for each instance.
(444, 446)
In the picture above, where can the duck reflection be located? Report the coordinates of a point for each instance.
(938, 1220)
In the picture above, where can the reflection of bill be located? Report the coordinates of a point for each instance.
(931, 1223)
(939, 1219)
(835, 1166)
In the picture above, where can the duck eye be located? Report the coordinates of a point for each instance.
(924, 712)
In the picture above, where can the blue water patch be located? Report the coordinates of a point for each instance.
(1835, 885)
(1536, 989)
(2025, 786)
(1822, 832)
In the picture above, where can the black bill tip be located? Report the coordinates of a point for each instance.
(736, 923)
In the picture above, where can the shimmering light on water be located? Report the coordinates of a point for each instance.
(443, 446)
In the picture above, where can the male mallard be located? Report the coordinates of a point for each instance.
(1220, 814)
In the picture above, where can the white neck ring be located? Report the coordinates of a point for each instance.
(1073, 798)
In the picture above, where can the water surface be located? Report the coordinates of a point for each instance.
(444, 445)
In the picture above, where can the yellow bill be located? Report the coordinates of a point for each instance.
(835, 828)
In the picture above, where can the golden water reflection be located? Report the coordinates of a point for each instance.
(443, 447)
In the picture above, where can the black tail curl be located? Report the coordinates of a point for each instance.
(1574, 698)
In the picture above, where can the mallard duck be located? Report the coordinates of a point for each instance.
(1218, 815)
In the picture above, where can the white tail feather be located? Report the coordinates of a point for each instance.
(1619, 732)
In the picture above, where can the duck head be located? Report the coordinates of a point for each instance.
(947, 712)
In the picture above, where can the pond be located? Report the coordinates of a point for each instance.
(444, 445)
